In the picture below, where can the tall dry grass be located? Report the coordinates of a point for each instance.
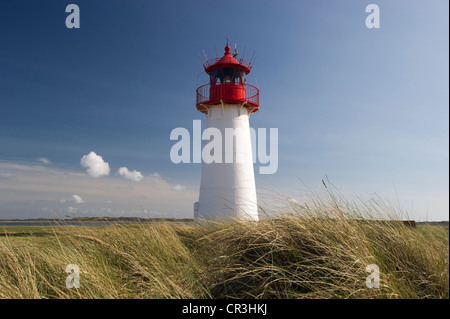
(318, 249)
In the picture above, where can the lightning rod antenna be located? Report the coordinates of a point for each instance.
(201, 60)
(252, 57)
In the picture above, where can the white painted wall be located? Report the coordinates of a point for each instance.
(228, 189)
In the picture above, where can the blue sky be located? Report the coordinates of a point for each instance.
(366, 107)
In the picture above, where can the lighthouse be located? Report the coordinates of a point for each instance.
(227, 188)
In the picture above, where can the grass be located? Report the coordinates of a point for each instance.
(318, 249)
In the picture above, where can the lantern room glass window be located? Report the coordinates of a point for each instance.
(227, 76)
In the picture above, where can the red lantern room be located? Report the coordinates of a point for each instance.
(227, 83)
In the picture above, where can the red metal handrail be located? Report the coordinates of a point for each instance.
(251, 94)
(210, 62)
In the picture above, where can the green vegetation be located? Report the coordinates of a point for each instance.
(315, 250)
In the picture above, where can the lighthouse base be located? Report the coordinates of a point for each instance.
(227, 187)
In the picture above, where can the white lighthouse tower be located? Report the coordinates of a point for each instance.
(228, 185)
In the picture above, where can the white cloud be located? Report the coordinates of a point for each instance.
(134, 176)
(178, 187)
(44, 160)
(95, 165)
(77, 199)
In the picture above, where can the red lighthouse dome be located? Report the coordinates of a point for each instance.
(227, 84)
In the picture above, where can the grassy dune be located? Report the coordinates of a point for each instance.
(315, 250)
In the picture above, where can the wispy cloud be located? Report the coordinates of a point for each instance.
(6, 175)
(44, 160)
(178, 187)
(75, 199)
(134, 176)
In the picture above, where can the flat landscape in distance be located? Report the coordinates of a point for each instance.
(96, 219)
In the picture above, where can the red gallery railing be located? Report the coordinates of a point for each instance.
(228, 93)
(211, 62)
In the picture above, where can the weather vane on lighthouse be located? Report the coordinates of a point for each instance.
(228, 185)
